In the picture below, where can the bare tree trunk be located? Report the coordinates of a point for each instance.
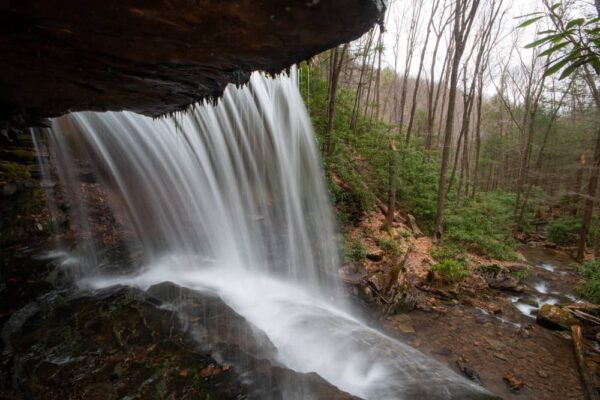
(577, 185)
(597, 239)
(359, 88)
(368, 105)
(336, 61)
(432, 86)
(524, 169)
(482, 45)
(378, 75)
(444, 88)
(462, 27)
(589, 201)
(538, 163)
(524, 173)
(418, 78)
(410, 49)
(433, 102)
(464, 169)
(467, 101)
(392, 169)
(391, 206)
(477, 135)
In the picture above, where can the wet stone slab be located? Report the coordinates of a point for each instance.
(124, 343)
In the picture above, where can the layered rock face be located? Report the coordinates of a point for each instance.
(156, 56)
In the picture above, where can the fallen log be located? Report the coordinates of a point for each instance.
(583, 306)
(585, 316)
(377, 292)
(394, 273)
(414, 227)
(437, 292)
(587, 378)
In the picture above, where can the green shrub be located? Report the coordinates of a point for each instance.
(564, 231)
(354, 251)
(522, 274)
(358, 251)
(449, 250)
(390, 246)
(590, 289)
(484, 225)
(14, 171)
(352, 199)
(451, 270)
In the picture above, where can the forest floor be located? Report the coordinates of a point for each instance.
(488, 335)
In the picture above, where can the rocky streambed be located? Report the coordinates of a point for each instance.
(551, 281)
(515, 339)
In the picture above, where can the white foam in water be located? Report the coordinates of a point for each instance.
(51, 254)
(231, 198)
(311, 333)
(574, 298)
(548, 267)
(503, 320)
(525, 309)
(541, 287)
(571, 297)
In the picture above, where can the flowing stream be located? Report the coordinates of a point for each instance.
(551, 281)
(230, 199)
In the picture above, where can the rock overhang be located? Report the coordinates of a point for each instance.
(156, 56)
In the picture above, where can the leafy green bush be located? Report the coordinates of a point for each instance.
(354, 251)
(12, 170)
(564, 231)
(451, 270)
(521, 275)
(353, 199)
(590, 289)
(484, 225)
(449, 250)
(358, 251)
(390, 246)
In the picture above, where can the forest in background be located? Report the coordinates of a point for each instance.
(482, 125)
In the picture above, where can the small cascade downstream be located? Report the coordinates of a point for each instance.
(230, 199)
(552, 281)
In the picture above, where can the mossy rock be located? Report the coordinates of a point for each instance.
(14, 172)
(122, 342)
(555, 317)
(491, 269)
(500, 278)
(18, 155)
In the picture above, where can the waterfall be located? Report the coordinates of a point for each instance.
(230, 198)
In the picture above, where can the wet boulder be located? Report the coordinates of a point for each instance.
(353, 273)
(113, 344)
(122, 342)
(499, 277)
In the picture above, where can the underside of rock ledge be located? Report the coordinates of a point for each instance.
(156, 56)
